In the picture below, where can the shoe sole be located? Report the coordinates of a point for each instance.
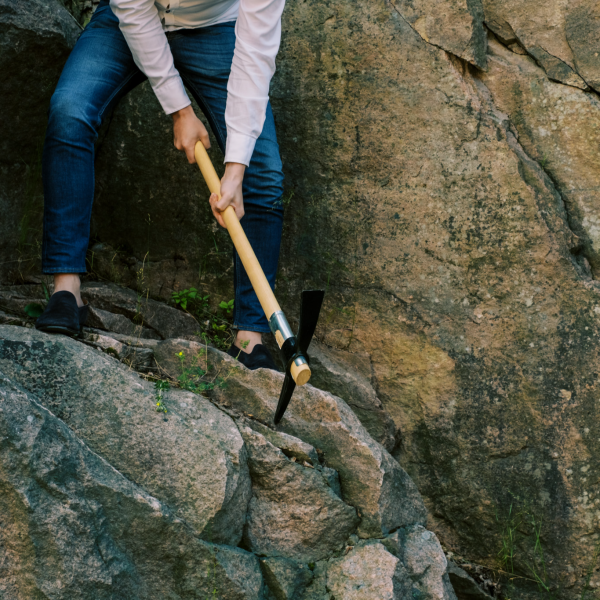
(58, 329)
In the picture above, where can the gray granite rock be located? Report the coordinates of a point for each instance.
(349, 376)
(293, 512)
(291, 446)
(193, 458)
(166, 321)
(368, 572)
(371, 480)
(424, 560)
(285, 579)
(75, 527)
(116, 323)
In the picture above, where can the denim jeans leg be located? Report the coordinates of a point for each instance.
(203, 58)
(98, 72)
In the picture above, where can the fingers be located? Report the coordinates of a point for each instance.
(218, 206)
(205, 139)
(239, 210)
(189, 152)
(216, 213)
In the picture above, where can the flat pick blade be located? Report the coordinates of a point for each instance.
(310, 308)
(289, 385)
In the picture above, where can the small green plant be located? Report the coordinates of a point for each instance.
(191, 296)
(33, 309)
(193, 376)
(521, 537)
(508, 540)
(216, 324)
(161, 386)
(227, 307)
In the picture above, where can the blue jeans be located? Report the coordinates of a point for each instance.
(98, 73)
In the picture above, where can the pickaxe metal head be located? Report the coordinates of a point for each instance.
(294, 347)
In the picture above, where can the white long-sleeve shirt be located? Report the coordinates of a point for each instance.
(258, 34)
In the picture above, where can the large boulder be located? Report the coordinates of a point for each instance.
(91, 508)
(192, 458)
(73, 526)
(368, 572)
(371, 480)
(349, 376)
(293, 513)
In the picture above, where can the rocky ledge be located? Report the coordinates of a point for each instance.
(117, 485)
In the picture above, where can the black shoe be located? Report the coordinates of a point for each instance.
(61, 315)
(259, 358)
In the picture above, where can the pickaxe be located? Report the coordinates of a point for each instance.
(293, 348)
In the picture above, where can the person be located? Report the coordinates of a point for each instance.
(223, 52)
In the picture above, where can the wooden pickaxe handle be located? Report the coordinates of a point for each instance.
(266, 297)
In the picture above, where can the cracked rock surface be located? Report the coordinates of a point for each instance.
(103, 496)
(449, 211)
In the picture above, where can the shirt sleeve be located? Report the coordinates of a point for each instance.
(141, 26)
(258, 35)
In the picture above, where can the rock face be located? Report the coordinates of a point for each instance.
(293, 512)
(35, 39)
(371, 480)
(114, 411)
(102, 496)
(557, 126)
(349, 376)
(451, 214)
(455, 25)
(74, 527)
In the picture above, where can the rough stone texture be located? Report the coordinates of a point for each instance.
(349, 376)
(143, 231)
(102, 319)
(35, 39)
(464, 586)
(423, 558)
(558, 127)
(72, 526)
(368, 572)
(371, 480)
(166, 355)
(140, 359)
(285, 579)
(291, 446)
(85, 512)
(582, 26)
(539, 27)
(293, 512)
(166, 321)
(194, 460)
(454, 25)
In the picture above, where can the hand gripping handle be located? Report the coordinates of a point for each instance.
(301, 374)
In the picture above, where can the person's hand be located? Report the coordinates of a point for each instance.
(187, 130)
(231, 192)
